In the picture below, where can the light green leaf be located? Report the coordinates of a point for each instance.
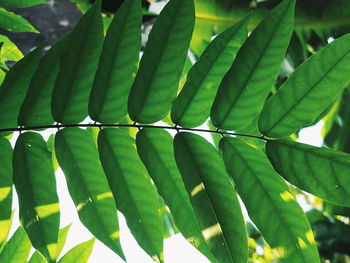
(62, 236)
(270, 205)
(17, 248)
(14, 23)
(319, 171)
(36, 108)
(134, 193)
(192, 107)
(244, 88)
(308, 91)
(37, 258)
(88, 186)
(79, 253)
(155, 148)
(212, 196)
(35, 182)
(156, 82)
(15, 86)
(77, 68)
(6, 182)
(118, 65)
(21, 3)
(9, 50)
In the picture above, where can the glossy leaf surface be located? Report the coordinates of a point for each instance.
(244, 88)
(134, 193)
(79, 253)
(212, 196)
(118, 65)
(88, 186)
(155, 148)
(308, 91)
(14, 23)
(192, 107)
(270, 205)
(156, 82)
(77, 68)
(319, 171)
(17, 248)
(35, 182)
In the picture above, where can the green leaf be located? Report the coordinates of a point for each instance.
(308, 91)
(77, 68)
(37, 258)
(156, 82)
(270, 205)
(212, 196)
(244, 88)
(320, 171)
(21, 3)
(79, 253)
(62, 236)
(35, 182)
(155, 148)
(15, 86)
(192, 107)
(118, 65)
(36, 108)
(9, 50)
(14, 23)
(17, 248)
(134, 193)
(6, 182)
(88, 186)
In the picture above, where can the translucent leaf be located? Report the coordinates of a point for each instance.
(79, 253)
(155, 148)
(192, 107)
(244, 88)
(37, 258)
(35, 182)
(308, 91)
(270, 205)
(62, 236)
(319, 171)
(118, 65)
(212, 196)
(156, 82)
(88, 186)
(9, 50)
(14, 23)
(134, 193)
(77, 68)
(17, 248)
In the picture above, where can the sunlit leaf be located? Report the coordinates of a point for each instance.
(14, 23)
(79, 253)
(270, 205)
(17, 248)
(9, 50)
(37, 258)
(212, 196)
(62, 236)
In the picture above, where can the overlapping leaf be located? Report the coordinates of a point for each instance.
(88, 186)
(77, 68)
(35, 182)
(118, 65)
(244, 88)
(192, 107)
(133, 190)
(212, 196)
(156, 82)
(155, 148)
(6, 182)
(308, 91)
(17, 248)
(270, 205)
(37, 258)
(79, 253)
(320, 171)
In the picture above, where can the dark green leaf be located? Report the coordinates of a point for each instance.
(14, 23)
(17, 248)
(192, 107)
(319, 171)
(35, 182)
(79, 253)
(6, 182)
(14, 88)
(270, 205)
(155, 148)
(77, 68)
(118, 65)
(244, 88)
(212, 196)
(88, 186)
(308, 91)
(134, 193)
(21, 3)
(161, 65)
(36, 108)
